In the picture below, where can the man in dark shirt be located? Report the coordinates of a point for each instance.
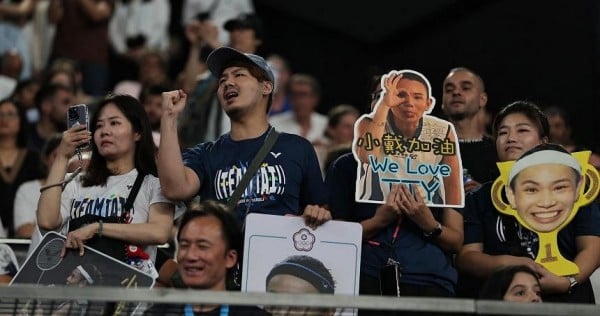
(464, 102)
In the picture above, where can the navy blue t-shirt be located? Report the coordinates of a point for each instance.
(422, 262)
(288, 179)
(484, 224)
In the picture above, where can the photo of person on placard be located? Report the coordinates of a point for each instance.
(545, 188)
(544, 185)
(404, 145)
(300, 274)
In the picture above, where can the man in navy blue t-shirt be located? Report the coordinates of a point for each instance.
(287, 182)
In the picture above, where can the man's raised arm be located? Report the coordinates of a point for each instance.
(177, 181)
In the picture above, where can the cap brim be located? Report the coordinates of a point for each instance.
(223, 56)
(234, 24)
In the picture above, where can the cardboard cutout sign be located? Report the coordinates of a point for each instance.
(547, 223)
(399, 143)
(44, 266)
(283, 255)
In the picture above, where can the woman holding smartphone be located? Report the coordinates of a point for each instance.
(94, 205)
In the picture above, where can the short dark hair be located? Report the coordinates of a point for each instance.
(48, 91)
(23, 134)
(145, 150)
(558, 111)
(256, 72)
(465, 69)
(150, 91)
(230, 226)
(498, 282)
(530, 110)
(307, 268)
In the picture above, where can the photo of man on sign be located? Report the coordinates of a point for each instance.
(399, 143)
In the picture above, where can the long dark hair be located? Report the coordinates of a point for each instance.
(497, 284)
(145, 150)
(22, 134)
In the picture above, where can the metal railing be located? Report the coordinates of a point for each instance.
(13, 299)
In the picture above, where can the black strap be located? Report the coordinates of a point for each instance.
(512, 237)
(132, 195)
(258, 159)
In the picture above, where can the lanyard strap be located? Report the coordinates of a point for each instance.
(223, 311)
(394, 234)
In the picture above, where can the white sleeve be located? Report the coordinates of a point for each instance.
(159, 37)
(26, 202)
(116, 28)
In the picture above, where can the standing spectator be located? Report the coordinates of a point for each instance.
(122, 156)
(145, 21)
(339, 133)
(303, 120)
(464, 103)
(13, 16)
(244, 91)
(494, 240)
(10, 66)
(82, 35)
(217, 10)
(18, 164)
(204, 120)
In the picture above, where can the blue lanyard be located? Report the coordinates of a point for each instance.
(224, 310)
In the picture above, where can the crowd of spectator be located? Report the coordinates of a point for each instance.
(177, 135)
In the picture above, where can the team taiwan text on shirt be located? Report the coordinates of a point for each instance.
(288, 179)
(108, 201)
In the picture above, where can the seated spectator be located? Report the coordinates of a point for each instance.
(67, 72)
(512, 284)
(561, 129)
(151, 99)
(8, 264)
(493, 240)
(28, 194)
(209, 247)
(52, 102)
(24, 94)
(18, 163)
(339, 133)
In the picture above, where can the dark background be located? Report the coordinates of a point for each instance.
(542, 51)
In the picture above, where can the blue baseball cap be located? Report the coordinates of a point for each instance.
(222, 56)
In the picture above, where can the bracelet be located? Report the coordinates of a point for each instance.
(46, 187)
(100, 227)
(379, 123)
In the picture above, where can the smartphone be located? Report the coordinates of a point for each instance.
(78, 115)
